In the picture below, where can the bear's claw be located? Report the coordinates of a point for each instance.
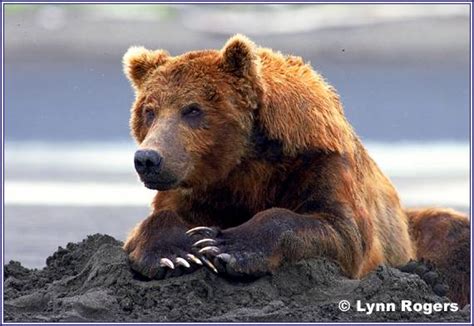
(211, 265)
(226, 253)
(182, 262)
(194, 259)
(209, 231)
(210, 249)
(204, 242)
(168, 267)
(205, 246)
(165, 262)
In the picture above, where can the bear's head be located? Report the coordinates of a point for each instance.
(195, 115)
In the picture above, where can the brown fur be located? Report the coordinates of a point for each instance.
(274, 164)
(442, 236)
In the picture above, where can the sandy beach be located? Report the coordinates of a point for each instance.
(90, 281)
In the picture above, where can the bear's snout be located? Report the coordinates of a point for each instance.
(150, 167)
(147, 162)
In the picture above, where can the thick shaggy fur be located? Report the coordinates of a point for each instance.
(275, 168)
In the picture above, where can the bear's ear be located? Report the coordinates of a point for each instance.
(138, 62)
(238, 56)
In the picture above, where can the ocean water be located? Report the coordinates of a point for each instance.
(102, 174)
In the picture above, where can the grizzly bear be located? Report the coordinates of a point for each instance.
(256, 165)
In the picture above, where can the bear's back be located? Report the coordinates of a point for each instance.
(300, 107)
(277, 64)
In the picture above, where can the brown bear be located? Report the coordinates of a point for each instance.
(256, 165)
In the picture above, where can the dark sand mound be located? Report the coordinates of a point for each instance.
(91, 281)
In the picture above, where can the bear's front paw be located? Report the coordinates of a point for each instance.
(227, 253)
(161, 254)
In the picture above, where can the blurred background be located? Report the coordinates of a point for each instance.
(402, 72)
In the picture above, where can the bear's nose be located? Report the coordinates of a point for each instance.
(147, 161)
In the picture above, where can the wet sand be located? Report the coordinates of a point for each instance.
(91, 281)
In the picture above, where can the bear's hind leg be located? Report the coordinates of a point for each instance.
(442, 237)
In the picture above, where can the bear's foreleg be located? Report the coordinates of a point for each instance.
(275, 236)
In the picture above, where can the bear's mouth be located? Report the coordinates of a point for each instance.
(160, 185)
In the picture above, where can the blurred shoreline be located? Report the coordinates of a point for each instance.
(64, 173)
(337, 33)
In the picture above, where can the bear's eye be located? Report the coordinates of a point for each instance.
(149, 116)
(191, 111)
